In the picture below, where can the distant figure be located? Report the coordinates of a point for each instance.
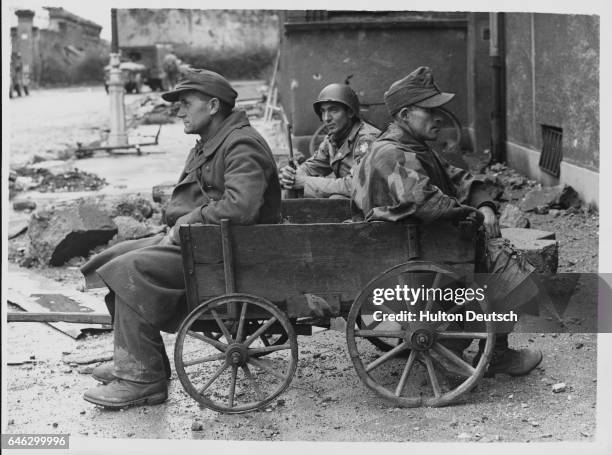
(17, 76)
(171, 67)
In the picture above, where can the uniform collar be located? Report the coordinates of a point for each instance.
(350, 136)
(397, 134)
(237, 119)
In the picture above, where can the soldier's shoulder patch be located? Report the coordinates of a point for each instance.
(363, 146)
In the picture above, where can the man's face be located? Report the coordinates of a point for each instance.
(335, 116)
(195, 112)
(424, 123)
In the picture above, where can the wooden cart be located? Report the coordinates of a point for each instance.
(252, 289)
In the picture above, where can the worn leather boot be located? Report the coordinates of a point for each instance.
(509, 361)
(122, 394)
(104, 372)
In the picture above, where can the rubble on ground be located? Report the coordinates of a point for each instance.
(47, 181)
(513, 217)
(135, 205)
(24, 204)
(150, 110)
(557, 197)
(69, 230)
(129, 228)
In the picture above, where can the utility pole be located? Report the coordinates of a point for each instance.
(498, 66)
(118, 135)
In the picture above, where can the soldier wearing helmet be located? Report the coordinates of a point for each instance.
(348, 139)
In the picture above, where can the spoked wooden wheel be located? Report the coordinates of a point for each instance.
(424, 365)
(268, 339)
(237, 372)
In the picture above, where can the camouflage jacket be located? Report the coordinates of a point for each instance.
(402, 177)
(337, 161)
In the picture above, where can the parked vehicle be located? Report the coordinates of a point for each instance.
(132, 74)
(152, 57)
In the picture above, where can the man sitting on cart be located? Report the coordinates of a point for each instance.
(403, 177)
(348, 140)
(229, 174)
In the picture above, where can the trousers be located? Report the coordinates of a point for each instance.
(139, 353)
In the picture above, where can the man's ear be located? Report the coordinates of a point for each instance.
(403, 113)
(215, 105)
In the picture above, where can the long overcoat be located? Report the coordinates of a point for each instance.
(231, 176)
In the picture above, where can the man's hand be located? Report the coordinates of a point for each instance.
(490, 222)
(290, 180)
(462, 212)
(169, 238)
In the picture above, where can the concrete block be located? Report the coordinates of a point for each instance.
(513, 217)
(520, 234)
(24, 204)
(539, 247)
(61, 233)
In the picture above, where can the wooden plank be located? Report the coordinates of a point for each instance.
(80, 318)
(304, 211)
(187, 248)
(281, 262)
(38, 294)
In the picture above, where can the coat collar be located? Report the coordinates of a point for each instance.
(341, 150)
(396, 134)
(235, 120)
(350, 137)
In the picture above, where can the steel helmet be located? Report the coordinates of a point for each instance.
(338, 93)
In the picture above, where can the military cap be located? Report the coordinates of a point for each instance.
(205, 81)
(416, 89)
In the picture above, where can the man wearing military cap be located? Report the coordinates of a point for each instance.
(404, 177)
(348, 140)
(229, 174)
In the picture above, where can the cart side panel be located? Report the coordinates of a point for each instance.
(315, 210)
(283, 262)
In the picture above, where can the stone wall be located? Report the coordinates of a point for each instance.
(230, 31)
(552, 73)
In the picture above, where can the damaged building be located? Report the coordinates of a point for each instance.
(53, 54)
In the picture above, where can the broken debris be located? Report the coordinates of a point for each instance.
(560, 196)
(74, 229)
(513, 217)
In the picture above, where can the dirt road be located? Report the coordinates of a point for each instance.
(326, 401)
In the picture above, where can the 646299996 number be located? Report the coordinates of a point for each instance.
(35, 441)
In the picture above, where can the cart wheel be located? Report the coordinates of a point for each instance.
(267, 339)
(227, 373)
(422, 353)
(384, 344)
